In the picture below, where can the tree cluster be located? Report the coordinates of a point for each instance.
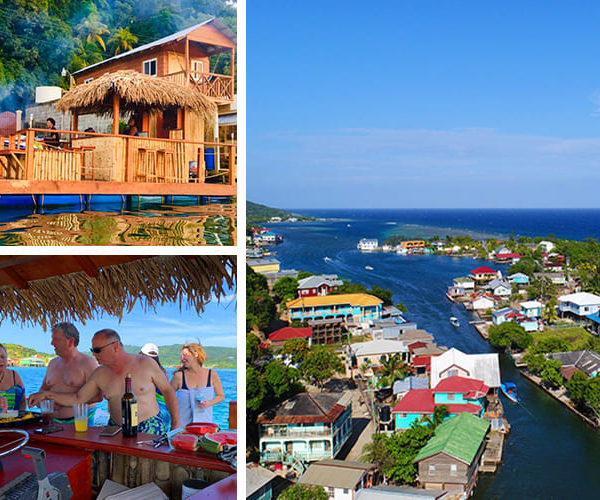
(260, 306)
(509, 336)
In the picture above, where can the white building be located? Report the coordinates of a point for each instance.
(367, 245)
(341, 479)
(482, 303)
(580, 304)
(547, 246)
(453, 362)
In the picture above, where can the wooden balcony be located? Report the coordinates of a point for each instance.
(213, 85)
(90, 163)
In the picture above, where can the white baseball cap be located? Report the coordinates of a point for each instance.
(150, 350)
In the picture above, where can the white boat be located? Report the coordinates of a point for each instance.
(454, 322)
(326, 259)
(368, 268)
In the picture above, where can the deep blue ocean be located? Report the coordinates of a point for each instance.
(550, 453)
(33, 378)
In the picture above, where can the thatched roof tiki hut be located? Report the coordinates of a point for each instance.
(171, 120)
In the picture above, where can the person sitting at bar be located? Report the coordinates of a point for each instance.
(52, 140)
(69, 371)
(131, 128)
(151, 350)
(198, 389)
(12, 388)
(108, 380)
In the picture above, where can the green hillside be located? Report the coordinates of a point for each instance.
(218, 357)
(18, 351)
(256, 213)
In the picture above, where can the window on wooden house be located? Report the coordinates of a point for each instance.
(197, 70)
(432, 469)
(452, 373)
(149, 67)
(453, 470)
(331, 492)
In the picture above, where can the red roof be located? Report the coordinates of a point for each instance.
(461, 385)
(416, 345)
(483, 270)
(415, 401)
(501, 256)
(466, 408)
(289, 332)
(422, 361)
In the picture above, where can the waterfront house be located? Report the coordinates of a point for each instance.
(267, 238)
(484, 274)
(450, 459)
(554, 278)
(35, 361)
(259, 482)
(353, 307)
(508, 257)
(518, 279)
(502, 315)
(453, 362)
(586, 361)
(412, 244)
(480, 302)
(456, 293)
(367, 245)
(323, 284)
(306, 427)
(415, 335)
(532, 308)
(341, 479)
(499, 288)
(392, 492)
(458, 394)
(279, 337)
(266, 265)
(507, 314)
(578, 305)
(464, 282)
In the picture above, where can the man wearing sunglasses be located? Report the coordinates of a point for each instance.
(69, 371)
(108, 380)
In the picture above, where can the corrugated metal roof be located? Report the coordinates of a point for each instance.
(354, 299)
(323, 407)
(336, 473)
(170, 38)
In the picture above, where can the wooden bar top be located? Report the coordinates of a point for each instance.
(90, 440)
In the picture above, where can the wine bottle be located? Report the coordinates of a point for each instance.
(129, 410)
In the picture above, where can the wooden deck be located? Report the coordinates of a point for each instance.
(90, 163)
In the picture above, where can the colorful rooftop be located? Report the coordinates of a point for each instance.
(354, 299)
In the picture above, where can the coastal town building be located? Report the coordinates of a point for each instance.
(367, 245)
(353, 307)
(259, 483)
(306, 427)
(481, 302)
(530, 324)
(484, 274)
(323, 284)
(464, 282)
(578, 305)
(327, 331)
(546, 246)
(450, 459)
(265, 265)
(484, 367)
(267, 238)
(369, 354)
(341, 479)
(402, 387)
(392, 492)
(499, 288)
(586, 361)
(279, 337)
(554, 277)
(518, 279)
(532, 308)
(458, 394)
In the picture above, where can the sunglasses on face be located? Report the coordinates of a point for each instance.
(97, 350)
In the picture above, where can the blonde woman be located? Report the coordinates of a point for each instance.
(197, 388)
(12, 389)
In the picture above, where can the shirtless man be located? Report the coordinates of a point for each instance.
(70, 371)
(108, 380)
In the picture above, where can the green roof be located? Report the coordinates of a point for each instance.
(459, 437)
(463, 279)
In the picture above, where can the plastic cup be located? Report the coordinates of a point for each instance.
(47, 408)
(80, 413)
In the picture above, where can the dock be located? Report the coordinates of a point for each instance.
(492, 455)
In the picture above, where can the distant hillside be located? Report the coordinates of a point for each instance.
(256, 213)
(170, 355)
(18, 351)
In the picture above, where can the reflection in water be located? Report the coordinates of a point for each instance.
(160, 225)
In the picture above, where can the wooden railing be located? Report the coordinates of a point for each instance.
(210, 84)
(115, 158)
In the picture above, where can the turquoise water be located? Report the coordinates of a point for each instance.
(33, 378)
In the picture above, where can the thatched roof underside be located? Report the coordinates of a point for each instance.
(188, 280)
(136, 92)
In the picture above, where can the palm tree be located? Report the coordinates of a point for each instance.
(376, 452)
(92, 29)
(393, 369)
(439, 414)
(550, 315)
(122, 40)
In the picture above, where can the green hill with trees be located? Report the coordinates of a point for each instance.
(19, 351)
(257, 213)
(169, 355)
(40, 37)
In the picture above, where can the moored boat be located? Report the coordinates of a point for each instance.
(510, 391)
(454, 322)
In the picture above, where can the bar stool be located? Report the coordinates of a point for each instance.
(165, 159)
(146, 164)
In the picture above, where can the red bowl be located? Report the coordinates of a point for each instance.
(201, 428)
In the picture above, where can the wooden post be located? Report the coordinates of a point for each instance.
(130, 165)
(187, 61)
(115, 114)
(75, 121)
(232, 166)
(29, 138)
(232, 73)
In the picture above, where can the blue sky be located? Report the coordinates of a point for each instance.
(423, 104)
(215, 327)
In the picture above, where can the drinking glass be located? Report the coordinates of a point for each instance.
(80, 413)
(47, 408)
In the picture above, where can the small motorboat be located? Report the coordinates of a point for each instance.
(510, 391)
(326, 259)
(454, 322)
(368, 268)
